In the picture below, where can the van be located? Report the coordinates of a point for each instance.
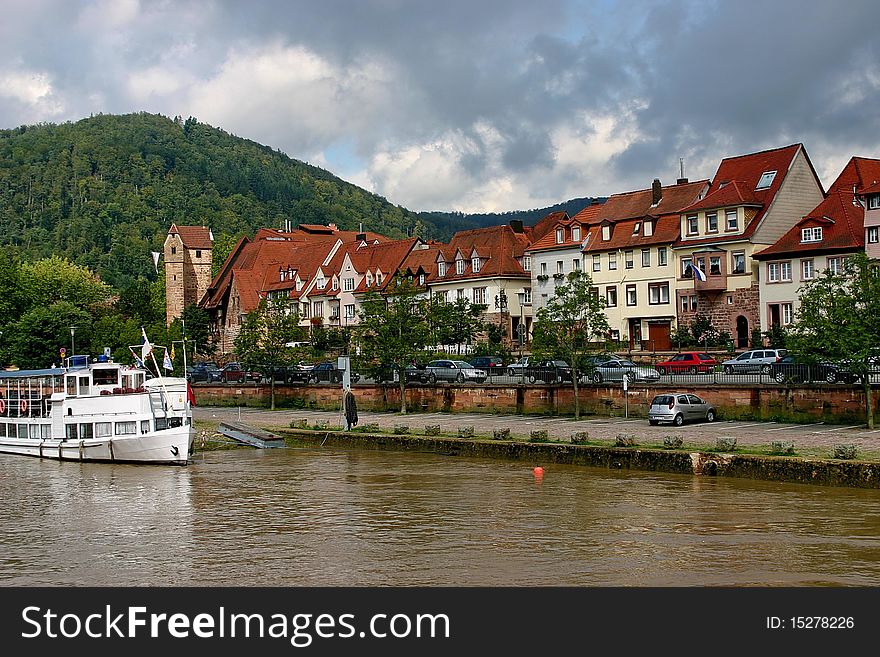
(757, 360)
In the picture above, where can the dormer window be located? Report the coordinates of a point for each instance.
(766, 180)
(369, 279)
(811, 234)
(335, 284)
(299, 285)
(732, 220)
(441, 269)
(475, 264)
(637, 227)
(647, 229)
(527, 263)
(282, 272)
(459, 266)
(606, 233)
(560, 235)
(322, 283)
(421, 279)
(874, 202)
(575, 233)
(692, 225)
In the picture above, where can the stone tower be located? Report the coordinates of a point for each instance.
(187, 254)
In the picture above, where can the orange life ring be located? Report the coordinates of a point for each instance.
(2, 406)
(23, 406)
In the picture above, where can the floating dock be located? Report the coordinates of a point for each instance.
(249, 435)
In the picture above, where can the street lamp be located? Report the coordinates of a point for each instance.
(72, 331)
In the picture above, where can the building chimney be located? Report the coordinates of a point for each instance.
(681, 181)
(516, 225)
(360, 237)
(332, 226)
(656, 192)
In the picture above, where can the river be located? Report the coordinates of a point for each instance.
(313, 517)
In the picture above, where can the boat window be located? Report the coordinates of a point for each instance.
(71, 386)
(174, 422)
(46, 431)
(34, 431)
(11, 430)
(69, 432)
(109, 377)
(103, 429)
(85, 431)
(125, 428)
(83, 385)
(2, 429)
(138, 380)
(22, 431)
(145, 426)
(161, 423)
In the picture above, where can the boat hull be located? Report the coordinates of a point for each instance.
(168, 447)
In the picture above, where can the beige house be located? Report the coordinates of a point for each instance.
(753, 200)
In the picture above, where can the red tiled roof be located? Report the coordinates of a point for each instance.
(193, 237)
(665, 230)
(549, 243)
(871, 189)
(387, 258)
(424, 260)
(638, 204)
(842, 220)
(498, 247)
(733, 193)
(545, 225)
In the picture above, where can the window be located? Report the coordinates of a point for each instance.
(527, 263)
(441, 296)
(173, 250)
(560, 267)
(304, 311)
(766, 180)
(560, 235)
(712, 222)
(811, 234)
(686, 269)
(544, 268)
(575, 233)
(658, 293)
(606, 233)
(594, 293)
(648, 229)
(692, 225)
(475, 264)
(773, 272)
(807, 270)
(103, 429)
(421, 279)
(611, 296)
(349, 311)
(873, 235)
(661, 256)
(684, 304)
(739, 262)
(787, 313)
(335, 283)
(835, 265)
(575, 265)
(637, 227)
(785, 271)
(459, 266)
(732, 220)
(527, 295)
(646, 257)
(715, 265)
(597, 263)
(479, 296)
(318, 309)
(145, 426)
(631, 295)
(348, 284)
(441, 271)
(628, 259)
(729, 299)
(693, 299)
(86, 431)
(198, 253)
(612, 261)
(873, 202)
(69, 431)
(322, 283)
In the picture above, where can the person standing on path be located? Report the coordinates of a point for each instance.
(349, 409)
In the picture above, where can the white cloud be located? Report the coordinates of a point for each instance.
(33, 89)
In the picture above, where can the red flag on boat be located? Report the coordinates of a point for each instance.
(190, 396)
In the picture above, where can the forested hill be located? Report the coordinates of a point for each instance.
(103, 191)
(450, 222)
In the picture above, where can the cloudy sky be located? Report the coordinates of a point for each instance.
(471, 105)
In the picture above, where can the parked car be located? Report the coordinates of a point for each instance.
(548, 371)
(328, 372)
(203, 373)
(453, 370)
(516, 368)
(757, 360)
(678, 408)
(691, 362)
(616, 370)
(791, 370)
(235, 373)
(494, 365)
(414, 374)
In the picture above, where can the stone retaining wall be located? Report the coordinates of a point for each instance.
(817, 403)
(854, 474)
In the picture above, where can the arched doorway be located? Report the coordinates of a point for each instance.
(742, 332)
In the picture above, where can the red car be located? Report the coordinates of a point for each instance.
(691, 362)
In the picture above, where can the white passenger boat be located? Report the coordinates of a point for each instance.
(96, 411)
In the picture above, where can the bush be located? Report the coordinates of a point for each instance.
(624, 440)
(673, 442)
(538, 435)
(465, 432)
(501, 434)
(726, 444)
(782, 447)
(580, 438)
(845, 451)
(400, 429)
(432, 429)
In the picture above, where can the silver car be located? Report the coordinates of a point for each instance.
(757, 360)
(453, 370)
(678, 408)
(618, 369)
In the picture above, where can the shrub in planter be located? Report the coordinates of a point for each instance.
(538, 435)
(782, 447)
(432, 429)
(624, 440)
(726, 443)
(501, 434)
(465, 432)
(849, 451)
(400, 429)
(580, 438)
(673, 442)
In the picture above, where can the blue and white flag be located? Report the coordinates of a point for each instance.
(166, 362)
(137, 360)
(146, 347)
(699, 274)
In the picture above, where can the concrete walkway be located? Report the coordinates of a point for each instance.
(816, 435)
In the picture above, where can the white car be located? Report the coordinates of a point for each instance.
(453, 370)
(518, 367)
(617, 370)
(756, 360)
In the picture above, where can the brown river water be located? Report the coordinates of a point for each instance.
(314, 517)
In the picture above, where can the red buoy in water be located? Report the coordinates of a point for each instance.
(539, 471)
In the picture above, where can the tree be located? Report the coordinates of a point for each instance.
(264, 335)
(838, 321)
(394, 329)
(570, 325)
(198, 328)
(34, 340)
(457, 322)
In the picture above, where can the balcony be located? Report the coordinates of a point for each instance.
(714, 283)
